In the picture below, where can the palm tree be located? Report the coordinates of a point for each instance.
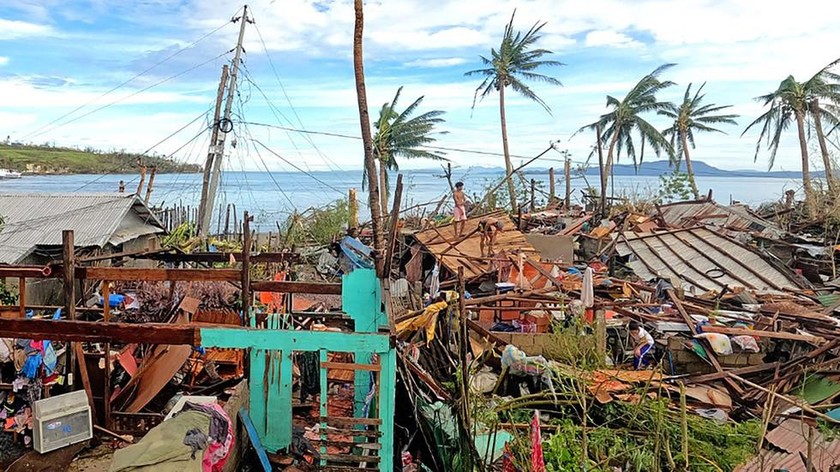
(401, 135)
(689, 117)
(513, 62)
(796, 101)
(617, 126)
(367, 142)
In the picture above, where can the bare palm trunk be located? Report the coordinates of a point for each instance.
(806, 174)
(383, 190)
(689, 167)
(605, 173)
(367, 140)
(829, 176)
(508, 165)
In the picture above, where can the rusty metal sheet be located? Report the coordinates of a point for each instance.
(729, 218)
(467, 253)
(792, 436)
(703, 258)
(773, 460)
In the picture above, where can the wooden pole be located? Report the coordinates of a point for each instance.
(465, 368)
(567, 171)
(22, 296)
(214, 137)
(106, 392)
(533, 201)
(246, 267)
(601, 334)
(142, 178)
(551, 194)
(353, 204)
(69, 256)
(151, 183)
(392, 232)
(227, 220)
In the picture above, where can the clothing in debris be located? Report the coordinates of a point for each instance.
(218, 420)
(309, 364)
(196, 440)
(587, 294)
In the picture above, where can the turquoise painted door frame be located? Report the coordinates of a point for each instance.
(271, 376)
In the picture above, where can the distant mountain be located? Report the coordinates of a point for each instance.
(701, 169)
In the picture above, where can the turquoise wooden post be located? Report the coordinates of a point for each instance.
(324, 412)
(387, 404)
(361, 298)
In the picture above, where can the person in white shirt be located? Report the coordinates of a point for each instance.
(642, 345)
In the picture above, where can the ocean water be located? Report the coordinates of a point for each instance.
(271, 197)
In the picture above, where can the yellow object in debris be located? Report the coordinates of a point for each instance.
(425, 319)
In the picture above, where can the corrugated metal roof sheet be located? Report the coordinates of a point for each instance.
(703, 258)
(441, 242)
(768, 461)
(38, 219)
(792, 436)
(690, 214)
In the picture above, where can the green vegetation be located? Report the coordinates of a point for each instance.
(318, 225)
(691, 117)
(616, 128)
(515, 61)
(7, 296)
(398, 134)
(59, 160)
(815, 99)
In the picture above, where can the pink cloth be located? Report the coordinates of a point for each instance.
(537, 462)
(460, 213)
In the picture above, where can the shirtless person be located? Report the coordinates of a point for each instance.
(489, 229)
(460, 212)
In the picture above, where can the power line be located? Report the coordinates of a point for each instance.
(298, 168)
(130, 95)
(117, 87)
(347, 136)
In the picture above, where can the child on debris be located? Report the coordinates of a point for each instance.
(643, 343)
(489, 229)
(460, 212)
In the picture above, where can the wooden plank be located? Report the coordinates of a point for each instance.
(83, 373)
(704, 378)
(709, 351)
(127, 274)
(298, 340)
(30, 272)
(348, 458)
(255, 439)
(345, 366)
(215, 257)
(22, 296)
(296, 287)
(763, 334)
(89, 331)
(343, 420)
(367, 433)
(362, 445)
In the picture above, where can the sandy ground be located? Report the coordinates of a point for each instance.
(97, 459)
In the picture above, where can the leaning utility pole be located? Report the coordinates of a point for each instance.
(225, 126)
(211, 154)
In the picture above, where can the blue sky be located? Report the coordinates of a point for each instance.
(60, 55)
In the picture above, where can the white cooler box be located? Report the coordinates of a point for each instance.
(61, 420)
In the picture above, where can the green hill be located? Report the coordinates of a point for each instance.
(58, 160)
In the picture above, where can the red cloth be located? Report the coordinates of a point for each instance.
(507, 462)
(537, 462)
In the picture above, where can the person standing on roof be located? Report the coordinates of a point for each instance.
(460, 211)
(489, 229)
(643, 343)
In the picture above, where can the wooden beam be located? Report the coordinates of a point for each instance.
(211, 257)
(247, 299)
(83, 373)
(705, 378)
(69, 256)
(31, 272)
(763, 334)
(709, 351)
(125, 274)
(297, 287)
(90, 331)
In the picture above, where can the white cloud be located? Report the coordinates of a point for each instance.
(14, 29)
(611, 39)
(19, 93)
(4, 60)
(437, 62)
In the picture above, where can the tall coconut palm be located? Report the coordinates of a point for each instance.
(514, 62)
(796, 101)
(690, 117)
(367, 142)
(618, 125)
(398, 134)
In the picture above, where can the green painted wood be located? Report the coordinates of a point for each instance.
(361, 298)
(324, 412)
(257, 386)
(387, 405)
(294, 340)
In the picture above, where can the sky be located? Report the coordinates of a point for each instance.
(143, 75)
